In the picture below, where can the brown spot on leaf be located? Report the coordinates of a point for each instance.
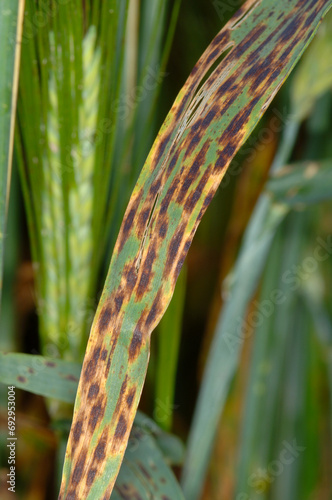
(121, 428)
(119, 403)
(91, 476)
(195, 139)
(130, 396)
(144, 471)
(108, 366)
(154, 311)
(224, 157)
(243, 46)
(22, 379)
(104, 318)
(210, 116)
(96, 354)
(221, 38)
(289, 31)
(91, 365)
(168, 196)
(135, 344)
(146, 273)
(173, 248)
(155, 186)
(78, 470)
(143, 218)
(113, 343)
(173, 161)
(93, 391)
(99, 453)
(213, 55)
(198, 192)
(89, 370)
(163, 229)
(128, 221)
(51, 364)
(161, 148)
(77, 431)
(118, 302)
(96, 414)
(71, 495)
(131, 278)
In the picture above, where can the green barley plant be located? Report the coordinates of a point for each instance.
(91, 94)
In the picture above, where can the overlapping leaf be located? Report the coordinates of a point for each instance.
(305, 183)
(204, 129)
(11, 20)
(280, 328)
(292, 186)
(150, 452)
(52, 378)
(143, 473)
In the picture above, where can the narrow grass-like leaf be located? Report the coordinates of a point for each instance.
(227, 342)
(230, 331)
(303, 183)
(143, 473)
(169, 335)
(314, 302)
(52, 378)
(171, 446)
(11, 21)
(272, 340)
(204, 129)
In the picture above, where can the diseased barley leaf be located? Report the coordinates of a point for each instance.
(313, 76)
(143, 473)
(205, 128)
(150, 451)
(52, 378)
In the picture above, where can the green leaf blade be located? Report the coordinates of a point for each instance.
(44, 376)
(11, 21)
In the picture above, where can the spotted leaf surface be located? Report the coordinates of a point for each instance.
(52, 378)
(208, 123)
(144, 473)
(145, 469)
